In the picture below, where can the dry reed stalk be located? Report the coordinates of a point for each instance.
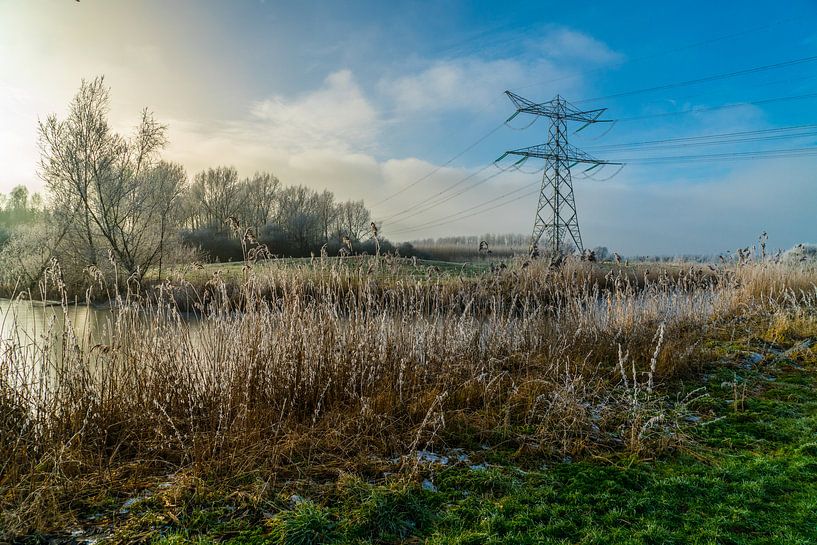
(295, 369)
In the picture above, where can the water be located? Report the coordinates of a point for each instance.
(38, 332)
(33, 335)
(32, 323)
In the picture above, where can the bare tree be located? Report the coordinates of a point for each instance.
(353, 219)
(298, 215)
(218, 195)
(167, 180)
(327, 212)
(72, 152)
(259, 200)
(105, 185)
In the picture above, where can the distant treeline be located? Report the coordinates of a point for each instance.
(17, 209)
(505, 245)
(114, 209)
(489, 247)
(293, 221)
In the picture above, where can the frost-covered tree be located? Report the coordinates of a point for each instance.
(110, 193)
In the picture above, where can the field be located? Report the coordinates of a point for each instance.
(383, 400)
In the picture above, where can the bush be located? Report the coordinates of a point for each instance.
(802, 253)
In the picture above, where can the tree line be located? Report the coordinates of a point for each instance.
(291, 220)
(114, 206)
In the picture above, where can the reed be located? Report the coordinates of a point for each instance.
(301, 371)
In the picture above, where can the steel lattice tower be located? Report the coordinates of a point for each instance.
(556, 217)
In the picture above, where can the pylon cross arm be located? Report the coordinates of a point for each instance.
(555, 109)
(520, 102)
(571, 154)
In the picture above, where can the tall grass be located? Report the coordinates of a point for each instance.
(300, 371)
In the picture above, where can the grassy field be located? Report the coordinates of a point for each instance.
(390, 271)
(588, 404)
(397, 268)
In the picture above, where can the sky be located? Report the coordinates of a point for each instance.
(401, 104)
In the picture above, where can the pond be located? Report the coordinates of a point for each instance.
(34, 323)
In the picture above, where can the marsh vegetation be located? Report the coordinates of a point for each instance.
(302, 373)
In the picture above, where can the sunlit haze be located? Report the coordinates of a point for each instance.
(366, 98)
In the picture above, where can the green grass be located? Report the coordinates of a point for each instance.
(396, 269)
(749, 477)
(387, 268)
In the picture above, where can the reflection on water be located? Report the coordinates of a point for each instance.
(39, 342)
(32, 324)
(39, 332)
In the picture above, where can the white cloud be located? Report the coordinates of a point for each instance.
(548, 66)
(461, 84)
(337, 115)
(319, 138)
(401, 172)
(348, 174)
(714, 215)
(568, 44)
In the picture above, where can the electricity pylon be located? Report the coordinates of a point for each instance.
(556, 216)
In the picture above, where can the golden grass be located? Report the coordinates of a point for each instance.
(298, 371)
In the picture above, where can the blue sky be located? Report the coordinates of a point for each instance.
(367, 97)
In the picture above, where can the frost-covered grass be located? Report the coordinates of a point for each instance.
(296, 412)
(747, 475)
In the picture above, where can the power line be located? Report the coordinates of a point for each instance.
(706, 79)
(708, 143)
(437, 194)
(439, 167)
(709, 93)
(721, 107)
(464, 190)
(481, 207)
(736, 155)
(500, 205)
(451, 218)
(760, 135)
(454, 195)
(454, 217)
